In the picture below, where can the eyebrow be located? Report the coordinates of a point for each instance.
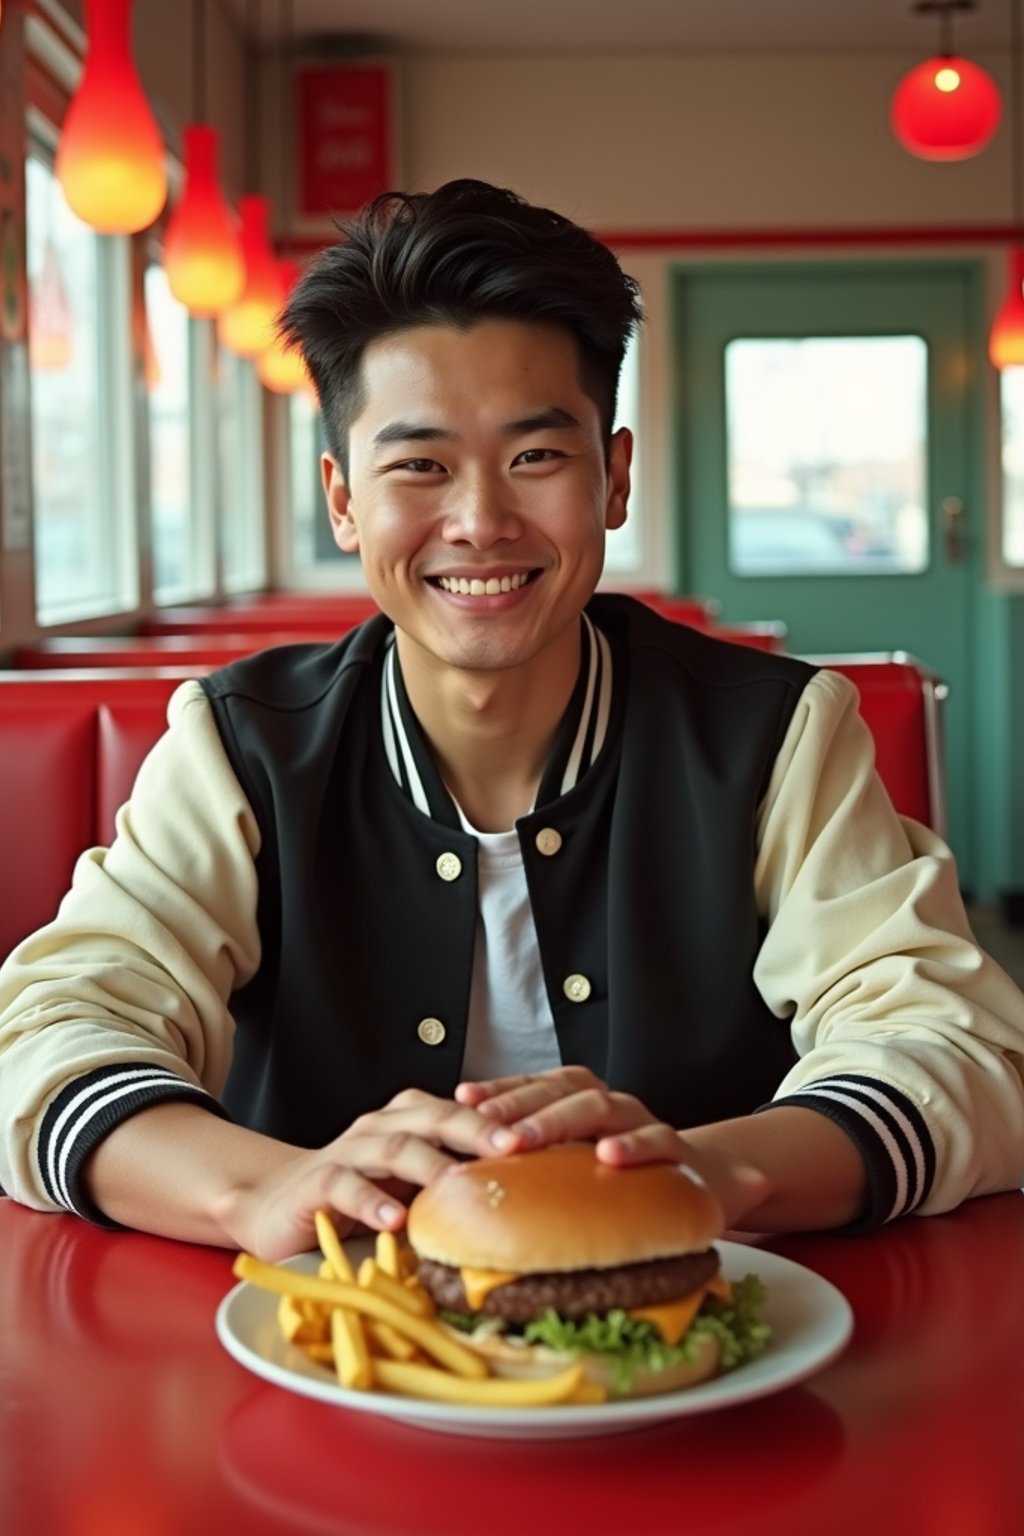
(554, 418)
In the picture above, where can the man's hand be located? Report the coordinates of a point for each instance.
(364, 1177)
(571, 1104)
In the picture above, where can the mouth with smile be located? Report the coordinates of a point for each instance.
(481, 585)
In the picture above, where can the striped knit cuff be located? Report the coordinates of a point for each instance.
(87, 1109)
(890, 1133)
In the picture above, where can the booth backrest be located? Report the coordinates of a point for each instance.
(199, 650)
(70, 747)
(300, 614)
(71, 743)
(900, 701)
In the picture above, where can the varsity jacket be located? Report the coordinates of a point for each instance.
(728, 913)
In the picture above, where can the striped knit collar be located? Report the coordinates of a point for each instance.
(578, 741)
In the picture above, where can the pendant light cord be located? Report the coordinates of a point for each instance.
(198, 61)
(1016, 103)
(284, 55)
(253, 54)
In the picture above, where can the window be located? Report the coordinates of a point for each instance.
(79, 351)
(1011, 384)
(172, 503)
(827, 448)
(313, 556)
(240, 479)
(623, 548)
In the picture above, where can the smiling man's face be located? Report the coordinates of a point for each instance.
(479, 491)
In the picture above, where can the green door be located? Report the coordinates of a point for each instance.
(826, 419)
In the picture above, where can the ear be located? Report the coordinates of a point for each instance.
(620, 456)
(339, 505)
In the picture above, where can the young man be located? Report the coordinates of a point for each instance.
(509, 864)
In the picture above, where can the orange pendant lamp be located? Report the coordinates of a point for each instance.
(946, 108)
(278, 367)
(110, 159)
(202, 251)
(1006, 338)
(248, 326)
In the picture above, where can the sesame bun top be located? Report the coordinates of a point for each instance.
(559, 1209)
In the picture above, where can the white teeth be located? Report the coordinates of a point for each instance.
(476, 587)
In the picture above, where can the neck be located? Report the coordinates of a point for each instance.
(491, 733)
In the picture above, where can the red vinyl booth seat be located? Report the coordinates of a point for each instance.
(70, 747)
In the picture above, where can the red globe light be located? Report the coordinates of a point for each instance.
(946, 109)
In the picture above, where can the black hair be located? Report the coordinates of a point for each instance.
(467, 252)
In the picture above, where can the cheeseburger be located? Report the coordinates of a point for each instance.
(545, 1258)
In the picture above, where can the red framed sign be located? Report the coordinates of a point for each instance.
(344, 139)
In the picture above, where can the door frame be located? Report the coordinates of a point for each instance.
(987, 618)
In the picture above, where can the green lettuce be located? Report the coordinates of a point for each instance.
(630, 1345)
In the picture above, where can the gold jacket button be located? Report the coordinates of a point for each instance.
(431, 1031)
(449, 866)
(548, 841)
(576, 988)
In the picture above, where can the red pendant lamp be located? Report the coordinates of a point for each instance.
(1006, 338)
(946, 108)
(202, 250)
(278, 367)
(248, 326)
(110, 159)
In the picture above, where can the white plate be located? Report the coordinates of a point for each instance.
(811, 1323)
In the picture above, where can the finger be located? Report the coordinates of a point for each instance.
(513, 1098)
(595, 1113)
(656, 1143)
(438, 1122)
(480, 1093)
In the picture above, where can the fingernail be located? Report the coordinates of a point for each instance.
(502, 1139)
(387, 1212)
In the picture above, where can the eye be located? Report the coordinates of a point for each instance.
(537, 456)
(421, 466)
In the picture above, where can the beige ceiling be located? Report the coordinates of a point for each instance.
(544, 26)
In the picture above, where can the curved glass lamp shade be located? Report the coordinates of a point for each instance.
(202, 249)
(110, 159)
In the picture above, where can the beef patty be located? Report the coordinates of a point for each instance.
(578, 1292)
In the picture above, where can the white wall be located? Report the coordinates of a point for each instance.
(708, 142)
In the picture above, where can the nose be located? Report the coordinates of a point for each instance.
(480, 512)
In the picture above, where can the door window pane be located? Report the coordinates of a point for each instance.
(79, 546)
(827, 454)
(1011, 384)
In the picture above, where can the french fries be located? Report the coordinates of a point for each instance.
(378, 1330)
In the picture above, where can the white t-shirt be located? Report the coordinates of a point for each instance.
(511, 1028)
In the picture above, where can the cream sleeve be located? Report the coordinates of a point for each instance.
(908, 1035)
(121, 1001)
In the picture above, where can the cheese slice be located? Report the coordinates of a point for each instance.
(477, 1283)
(672, 1317)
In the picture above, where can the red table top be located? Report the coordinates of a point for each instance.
(121, 1415)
